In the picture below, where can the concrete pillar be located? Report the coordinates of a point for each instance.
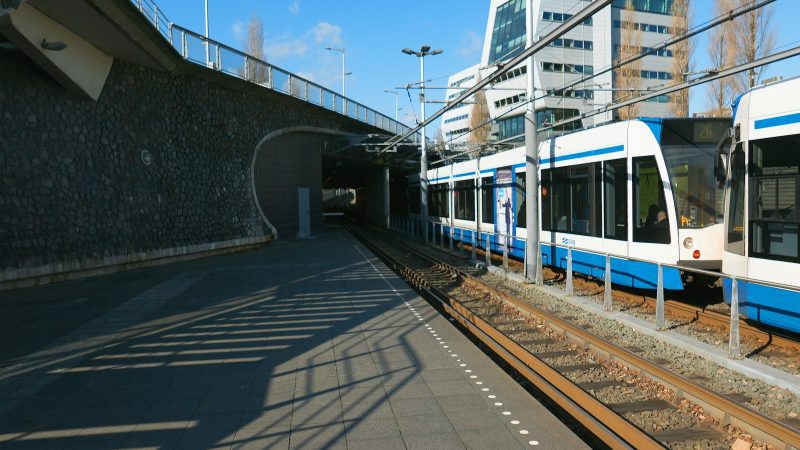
(386, 209)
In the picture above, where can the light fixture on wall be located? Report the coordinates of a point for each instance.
(54, 46)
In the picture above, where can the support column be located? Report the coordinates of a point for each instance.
(386, 197)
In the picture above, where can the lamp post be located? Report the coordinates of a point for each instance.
(344, 74)
(208, 50)
(424, 51)
(532, 272)
(396, 109)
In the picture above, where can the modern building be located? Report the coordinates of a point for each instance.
(592, 46)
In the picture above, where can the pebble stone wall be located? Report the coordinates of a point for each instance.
(161, 161)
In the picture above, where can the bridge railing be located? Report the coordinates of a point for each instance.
(198, 49)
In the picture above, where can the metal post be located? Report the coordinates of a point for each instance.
(184, 45)
(474, 244)
(570, 289)
(155, 17)
(607, 299)
(531, 157)
(169, 27)
(423, 159)
(734, 351)
(386, 197)
(660, 299)
(208, 49)
(246, 68)
(271, 80)
(461, 238)
(218, 64)
(290, 85)
(505, 253)
(306, 97)
(539, 272)
(139, 3)
(452, 235)
(488, 251)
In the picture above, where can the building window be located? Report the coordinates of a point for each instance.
(549, 16)
(459, 131)
(510, 127)
(572, 43)
(651, 6)
(508, 36)
(508, 101)
(645, 27)
(457, 118)
(667, 53)
(656, 75)
(512, 74)
(462, 81)
(567, 68)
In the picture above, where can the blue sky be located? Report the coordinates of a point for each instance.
(374, 31)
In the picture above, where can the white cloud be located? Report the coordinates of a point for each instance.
(471, 44)
(294, 7)
(238, 30)
(326, 33)
(286, 47)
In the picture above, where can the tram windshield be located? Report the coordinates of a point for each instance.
(689, 148)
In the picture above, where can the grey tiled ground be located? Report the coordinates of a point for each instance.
(306, 344)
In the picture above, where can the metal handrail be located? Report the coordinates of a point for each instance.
(734, 340)
(156, 17)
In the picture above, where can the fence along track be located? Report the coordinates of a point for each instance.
(571, 397)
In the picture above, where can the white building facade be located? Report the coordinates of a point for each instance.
(589, 47)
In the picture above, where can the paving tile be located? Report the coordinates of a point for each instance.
(258, 439)
(433, 441)
(331, 435)
(387, 443)
(474, 420)
(489, 438)
(363, 428)
(415, 406)
(460, 402)
(424, 424)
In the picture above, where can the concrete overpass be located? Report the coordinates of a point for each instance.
(123, 148)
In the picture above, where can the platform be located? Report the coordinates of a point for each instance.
(303, 344)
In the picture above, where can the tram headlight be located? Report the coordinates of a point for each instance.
(688, 243)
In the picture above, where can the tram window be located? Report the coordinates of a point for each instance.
(775, 222)
(649, 204)
(437, 200)
(616, 191)
(735, 217)
(487, 200)
(519, 186)
(560, 200)
(546, 200)
(464, 195)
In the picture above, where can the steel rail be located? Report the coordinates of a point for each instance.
(608, 426)
(724, 409)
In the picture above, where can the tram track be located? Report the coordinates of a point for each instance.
(678, 310)
(621, 397)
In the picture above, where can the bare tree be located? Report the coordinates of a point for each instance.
(681, 56)
(722, 50)
(628, 78)
(254, 46)
(479, 115)
(755, 38)
(439, 142)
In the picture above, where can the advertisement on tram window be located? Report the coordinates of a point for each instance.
(504, 208)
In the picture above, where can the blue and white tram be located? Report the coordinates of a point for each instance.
(643, 189)
(763, 181)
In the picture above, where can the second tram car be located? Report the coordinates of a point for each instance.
(641, 189)
(762, 242)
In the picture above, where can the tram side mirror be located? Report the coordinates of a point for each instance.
(721, 160)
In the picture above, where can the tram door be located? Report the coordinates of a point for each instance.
(653, 231)
(504, 207)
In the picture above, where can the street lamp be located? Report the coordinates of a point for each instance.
(344, 74)
(208, 50)
(424, 51)
(396, 109)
